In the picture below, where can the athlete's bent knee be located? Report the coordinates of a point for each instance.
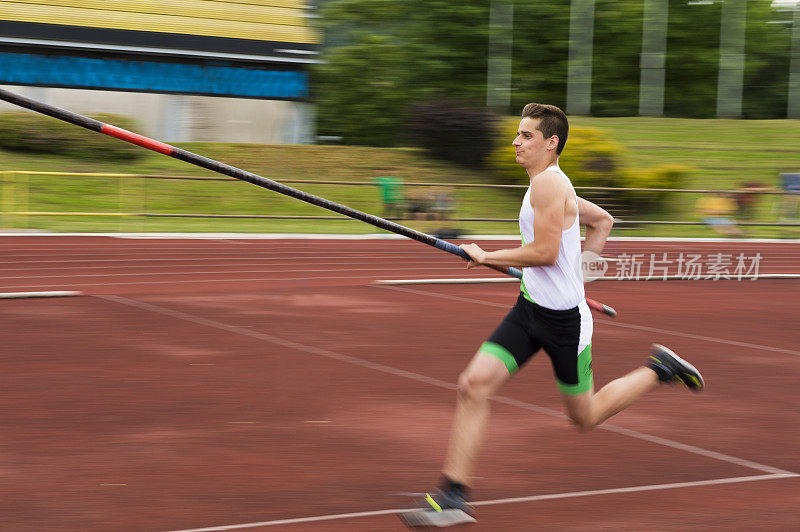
(472, 386)
(584, 420)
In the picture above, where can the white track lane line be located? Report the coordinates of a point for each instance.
(300, 237)
(26, 295)
(168, 266)
(109, 241)
(394, 248)
(606, 322)
(434, 382)
(228, 272)
(239, 257)
(177, 281)
(312, 252)
(701, 337)
(533, 498)
(727, 277)
(175, 248)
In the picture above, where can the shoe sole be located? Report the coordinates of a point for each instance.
(658, 348)
(432, 518)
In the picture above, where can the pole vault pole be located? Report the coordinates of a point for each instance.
(243, 175)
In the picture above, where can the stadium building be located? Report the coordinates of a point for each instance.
(189, 70)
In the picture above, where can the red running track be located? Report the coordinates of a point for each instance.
(208, 384)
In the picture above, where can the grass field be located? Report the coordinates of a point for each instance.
(721, 153)
(724, 153)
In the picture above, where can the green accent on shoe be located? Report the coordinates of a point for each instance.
(432, 502)
(585, 377)
(505, 356)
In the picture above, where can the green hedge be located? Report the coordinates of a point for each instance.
(592, 159)
(32, 132)
(664, 176)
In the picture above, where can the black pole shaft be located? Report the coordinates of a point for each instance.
(232, 171)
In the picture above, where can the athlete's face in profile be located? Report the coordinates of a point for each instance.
(530, 144)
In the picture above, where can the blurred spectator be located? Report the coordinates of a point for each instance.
(391, 191)
(442, 204)
(718, 211)
(441, 211)
(418, 207)
(790, 202)
(746, 200)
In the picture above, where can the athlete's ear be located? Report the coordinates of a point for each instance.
(552, 143)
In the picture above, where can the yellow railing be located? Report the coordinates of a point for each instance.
(129, 201)
(15, 196)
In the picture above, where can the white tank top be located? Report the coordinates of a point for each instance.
(560, 286)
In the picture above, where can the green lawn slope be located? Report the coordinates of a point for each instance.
(722, 154)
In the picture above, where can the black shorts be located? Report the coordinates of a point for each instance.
(565, 335)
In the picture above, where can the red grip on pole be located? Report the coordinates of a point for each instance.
(135, 138)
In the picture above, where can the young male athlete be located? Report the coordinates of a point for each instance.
(551, 314)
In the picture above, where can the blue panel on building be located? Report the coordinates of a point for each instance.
(148, 76)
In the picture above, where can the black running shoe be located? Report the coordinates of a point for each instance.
(439, 510)
(672, 368)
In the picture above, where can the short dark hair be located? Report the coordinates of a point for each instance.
(553, 122)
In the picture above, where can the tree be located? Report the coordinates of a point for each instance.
(617, 48)
(692, 59)
(541, 51)
(386, 55)
(362, 92)
(768, 53)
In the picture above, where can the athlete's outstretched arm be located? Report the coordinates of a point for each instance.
(598, 225)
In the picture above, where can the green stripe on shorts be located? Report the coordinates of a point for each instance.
(505, 356)
(585, 380)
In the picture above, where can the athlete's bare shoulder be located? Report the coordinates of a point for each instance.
(550, 179)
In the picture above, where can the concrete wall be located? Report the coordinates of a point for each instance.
(181, 118)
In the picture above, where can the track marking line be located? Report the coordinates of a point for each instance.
(175, 255)
(165, 266)
(701, 337)
(760, 275)
(605, 322)
(749, 464)
(278, 341)
(444, 296)
(463, 280)
(435, 382)
(633, 489)
(299, 237)
(405, 258)
(176, 281)
(533, 498)
(217, 272)
(29, 295)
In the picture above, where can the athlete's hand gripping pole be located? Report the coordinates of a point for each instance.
(232, 171)
(514, 272)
